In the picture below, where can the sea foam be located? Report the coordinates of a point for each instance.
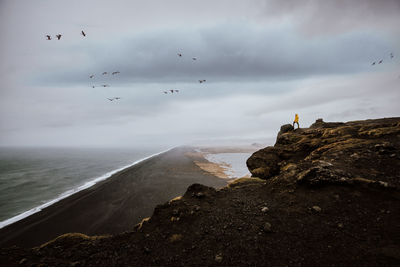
(73, 191)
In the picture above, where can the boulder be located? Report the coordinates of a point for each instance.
(199, 191)
(286, 128)
(264, 163)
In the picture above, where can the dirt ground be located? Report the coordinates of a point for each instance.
(329, 196)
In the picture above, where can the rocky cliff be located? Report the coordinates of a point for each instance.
(333, 153)
(328, 195)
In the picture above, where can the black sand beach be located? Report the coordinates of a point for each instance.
(327, 195)
(114, 205)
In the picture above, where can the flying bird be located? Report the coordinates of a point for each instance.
(93, 86)
(114, 98)
(83, 33)
(58, 36)
(391, 55)
(48, 37)
(105, 85)
(104, 73)
(165, 92)
(202, 81)
(91, 76)
(373, 63)
(380, 61)
(115, 72)
(172, 91)
(177, 91)
(194, 58)
(179, 54)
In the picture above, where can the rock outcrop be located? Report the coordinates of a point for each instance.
(334, 153)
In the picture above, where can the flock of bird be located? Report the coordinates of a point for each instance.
(58, 36)
(381, 60)
(177, 91)
(91, 76)
(105, 73)
(171, 91)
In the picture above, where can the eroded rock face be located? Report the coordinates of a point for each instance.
(333, 152)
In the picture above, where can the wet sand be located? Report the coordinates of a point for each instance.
(116, 204)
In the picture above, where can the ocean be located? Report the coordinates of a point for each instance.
(34, 178)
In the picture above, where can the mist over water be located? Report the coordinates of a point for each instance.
(30, 177)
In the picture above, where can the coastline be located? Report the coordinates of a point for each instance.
(70, 192)
(209, 159)
(337, 197)
(115, 204)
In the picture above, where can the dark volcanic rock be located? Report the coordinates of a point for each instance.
(319, 123)
(286, 128)
(334, 153)
(264, 163)
(329, 196)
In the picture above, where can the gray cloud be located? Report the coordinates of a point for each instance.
(230, 52)
(335, 16)
(263, 62)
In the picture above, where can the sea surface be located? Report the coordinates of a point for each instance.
(34, 178)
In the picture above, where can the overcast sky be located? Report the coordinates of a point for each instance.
(263, 61)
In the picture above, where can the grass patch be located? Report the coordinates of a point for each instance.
(71, 238)
(140, 225)
(246, 181)
(175, 199)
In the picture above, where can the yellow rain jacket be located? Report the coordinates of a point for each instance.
(296, 118)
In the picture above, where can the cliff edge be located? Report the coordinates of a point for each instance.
(326, 195)
(333, 153)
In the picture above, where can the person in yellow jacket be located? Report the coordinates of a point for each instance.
(296, 120)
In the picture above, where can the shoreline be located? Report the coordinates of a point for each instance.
(203, 158)
(341, 201)
(73, 191)
(113, 205)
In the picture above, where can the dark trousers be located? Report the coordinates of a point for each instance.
(298, 126)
